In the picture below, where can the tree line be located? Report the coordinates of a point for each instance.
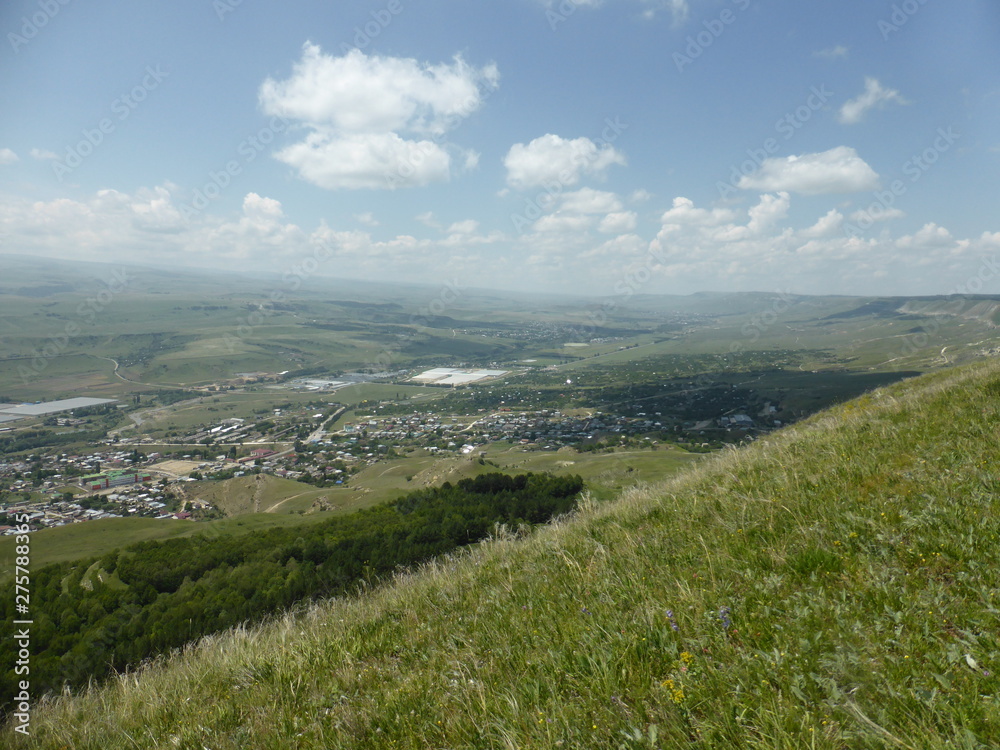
(174, 591)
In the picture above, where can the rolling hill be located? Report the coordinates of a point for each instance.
(833, 586)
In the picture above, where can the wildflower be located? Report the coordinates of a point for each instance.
(687, 657)
(724, 616)
(673, 622)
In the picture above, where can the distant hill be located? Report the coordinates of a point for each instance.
(833, 586)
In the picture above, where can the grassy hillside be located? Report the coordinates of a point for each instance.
(832, 587)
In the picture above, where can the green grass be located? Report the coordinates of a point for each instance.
(280, 501)
(832, 587)
(93, 538)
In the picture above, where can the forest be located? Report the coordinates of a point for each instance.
(109, 614)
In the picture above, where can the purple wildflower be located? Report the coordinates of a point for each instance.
(724, 616)
(673, 622)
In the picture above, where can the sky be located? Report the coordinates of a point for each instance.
(599, 147)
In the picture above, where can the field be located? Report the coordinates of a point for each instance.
(829, 587)
(682, 361)
(94, 538)
(252, 503)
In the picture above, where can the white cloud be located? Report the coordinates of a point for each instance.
(359, 107)
(695, 249)
(39, 153)
(7, 156)
(367, 218)
(564, 223)
(929, 236)
(468, 226)
(367, 160)
(257, 207)
(551, 159)
(428, 220)
(832, 53)
(839, 170)
(589, 201)
(640, 196)
(358, 93)
(874, 95)
(618, 222)
(826, 226)
(768, 211)
(684, 213)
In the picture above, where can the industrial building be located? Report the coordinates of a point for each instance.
(110, 479)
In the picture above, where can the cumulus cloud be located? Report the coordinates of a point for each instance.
(257, 207)
(832, 53)
(874, 95)
(7, 156)
(827, 225)
(618, 222)
(374, 121)
(839, 170)
(578, 244)
(40, 153)
(367, 160)
(428, 220)
(928, 236)
(468, 226)
(684, 213)
(760, 250)
(589, 201)
(551, 159)
(148, 225)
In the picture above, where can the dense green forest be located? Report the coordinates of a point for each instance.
(86, 623)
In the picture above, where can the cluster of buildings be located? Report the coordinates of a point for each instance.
(134, 501)
(541, 427)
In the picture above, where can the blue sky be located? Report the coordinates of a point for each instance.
(609, 148)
